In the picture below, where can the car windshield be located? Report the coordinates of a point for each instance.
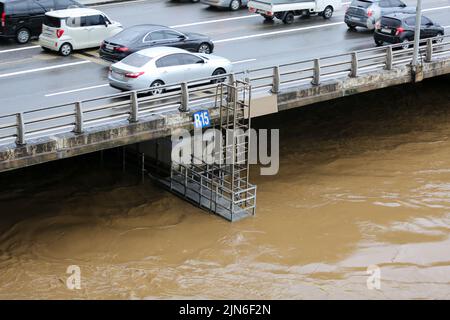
(136, 60)
(390, 22)
(127, 35)
(52, 22)
(362, 3)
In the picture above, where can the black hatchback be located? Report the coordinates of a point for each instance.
(149, 35)
(400, 28)
(22, 19)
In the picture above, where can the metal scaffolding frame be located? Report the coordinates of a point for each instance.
(222, 187)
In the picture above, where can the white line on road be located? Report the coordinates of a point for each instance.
(118, 3)
(279, 32)
(19, 49)
(435, 9)
(43, 69)
(243, 61)
(215, 21)
(77, 90)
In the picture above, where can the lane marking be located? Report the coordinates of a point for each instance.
(77, 90)
(43, 69)
(435, 9)
(243, 61)
(279, 32)
(119, 3)
(215, 21)
(19, 49)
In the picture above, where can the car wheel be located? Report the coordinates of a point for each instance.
(204, 48)
(379, 43)
(351, 27)
(23, 36)
(405, 44)
(66, 49)
(439, 38)
(288, 18)
(218, 72)
(328, 12)
(156, 87)
(235, 5)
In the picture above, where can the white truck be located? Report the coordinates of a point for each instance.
(286, 10)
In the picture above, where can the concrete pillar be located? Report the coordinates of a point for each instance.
(20, 130)
(79, 125)
(134, 107)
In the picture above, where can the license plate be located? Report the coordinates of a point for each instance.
(355, 18)
(117, 75)
(386, 30)
(109, 47)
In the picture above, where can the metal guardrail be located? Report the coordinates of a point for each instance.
(133, 105)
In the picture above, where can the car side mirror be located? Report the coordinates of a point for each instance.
(201, 61)
(182, 37)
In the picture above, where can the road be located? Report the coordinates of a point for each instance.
(31, 78)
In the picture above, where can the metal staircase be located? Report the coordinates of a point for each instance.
(222, 187)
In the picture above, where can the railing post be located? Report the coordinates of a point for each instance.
(184, 107)
(78, 118)
(134, 107)
(354, 67)
(429, 55)
(316, 72)
(389, 58)
(247, 76)
(20, 141)
(231, 79)
(276, 80)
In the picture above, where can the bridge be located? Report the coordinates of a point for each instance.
(61, 131)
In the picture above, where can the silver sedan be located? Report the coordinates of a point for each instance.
(159, 66)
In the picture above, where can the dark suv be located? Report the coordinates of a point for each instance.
(22, 19)
(399, 28)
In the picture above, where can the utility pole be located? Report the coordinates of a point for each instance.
(415, 61)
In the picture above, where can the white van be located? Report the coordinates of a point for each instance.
(73, 29)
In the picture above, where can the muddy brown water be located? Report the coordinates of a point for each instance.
(363, 181)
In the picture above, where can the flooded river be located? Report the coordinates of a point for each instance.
(363, 181)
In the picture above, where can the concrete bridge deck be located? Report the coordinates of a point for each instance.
(82, 127)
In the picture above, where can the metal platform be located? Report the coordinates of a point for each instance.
(222, 187)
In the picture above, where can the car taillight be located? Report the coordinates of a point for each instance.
(399, 30)
(252, 10)
(3, 19)
(59, 33)
(269, 13)
(102, 44)
(134, 75)
(122, 49)
(378, 25)
(369, 12)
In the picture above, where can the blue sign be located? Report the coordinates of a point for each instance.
(201, 119)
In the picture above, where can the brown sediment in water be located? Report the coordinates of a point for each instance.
(363, 180)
